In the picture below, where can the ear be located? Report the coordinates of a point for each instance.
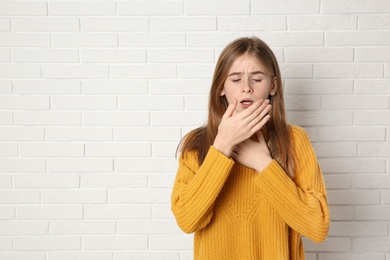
(274, 87)
(222, 93)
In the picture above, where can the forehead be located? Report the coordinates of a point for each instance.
(247, 62)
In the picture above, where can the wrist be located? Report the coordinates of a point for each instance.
(223, 147)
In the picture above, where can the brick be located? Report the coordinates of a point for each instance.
(352, 133)
(23, 256)
(6, 118)
(162, 211)
(318, 86)
(5, 86)
(5, 55)
(118, 150)
(145, 165)
(358, 229)
(118, 87)
(319, 54)
(75, 71)
(353, 197)
(320, 118)
(19, 196)
(152, 40)
(373, 213)
(39, 181)
(171, 242)
(333, 181)
(375, 245)
(359, 38)
(114, 181)
(164, 149)
(374, 22)
(355, 102)
(372, 181)
(47, 118)
(22, 134)
(149, 227)
(342, 212)
(252, 23)
(57, 24)
(17, 228)
(180, 87)
(85, 39)
(47, 243)
(7, 212)
(82, 227)
(23, 8)
(6, 243)
(193, 71)
(296, 70)
(139, 196)
(113, 56)
(73, 196)
(5, 182)
(351, 256)
(8, 149)
(114, 24)
(322, 23)
(370, 118)
(84, 134)
(150, 8)
(355, 165)
(151, 103)
(80, 255)
(196, 103)
(142, 71)
(302, 102)
(182, 24)
(116, 118)
(177, 118)
(20, 71)
(47, 87)
(5, 24)
(117, 211)
(24, 103)
(25, 40)
(161, 180)
(82, 8)
(373, 54)
(80, 165)
(286, 7)
(148, 255)
(147, 134)
(331, 244)
(52, 212)
(355, 6)
(84, 103)
(181, 56)
(339, 149)
(217, 8)
(22, 165)
(374, 149)
(348, 70)
(45, 56)
(115, 242)
(386, 196)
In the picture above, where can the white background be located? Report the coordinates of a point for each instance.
(95, 96)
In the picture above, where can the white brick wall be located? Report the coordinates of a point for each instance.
(95, 96)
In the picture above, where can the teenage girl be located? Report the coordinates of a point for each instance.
(248, 184)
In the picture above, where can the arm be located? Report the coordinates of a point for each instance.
(196, 188)
(301, 203)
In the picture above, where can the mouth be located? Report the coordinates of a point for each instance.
(246, 102)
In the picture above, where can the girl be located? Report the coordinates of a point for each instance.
(249, 184)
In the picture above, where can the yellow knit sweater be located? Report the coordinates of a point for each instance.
(238, 213)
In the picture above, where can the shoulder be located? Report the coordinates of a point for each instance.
(299, 134)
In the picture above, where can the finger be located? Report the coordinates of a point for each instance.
(260, 136)
(258, 117)
(250, 110)
(261, 111)
(229, 111)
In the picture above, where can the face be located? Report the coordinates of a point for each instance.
(248, 81)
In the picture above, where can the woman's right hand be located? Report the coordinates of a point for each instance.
(238, 127)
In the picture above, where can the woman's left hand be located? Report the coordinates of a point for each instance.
(253, 154)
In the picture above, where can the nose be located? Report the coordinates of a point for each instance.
(247, 87)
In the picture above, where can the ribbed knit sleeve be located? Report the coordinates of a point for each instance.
(301, 203)
(197, 187)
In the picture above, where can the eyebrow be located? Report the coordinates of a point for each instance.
(252, 73)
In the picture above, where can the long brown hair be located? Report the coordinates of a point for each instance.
(278, 131)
